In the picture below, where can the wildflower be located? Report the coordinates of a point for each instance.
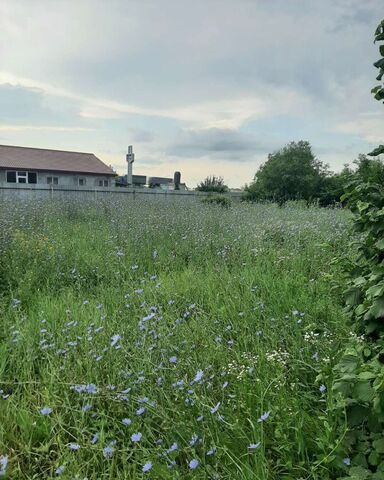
(172, 464)
(108, 451)
(95, 438)
(136, 437)
(212, 451)
(91, 388)
(147, 467)
(198, 376)
(215, 408)
(46, 410)
(253, 446)
(3, 464)
(200, 419)
(173, 359)
(74, 446)
(193, 464)
(322, 388)
(114, 340)
(193, 440)
(173, 447)
(140, 411)
(86, 407)
(347, 461)
(263, 417)
(126, 421)
(60, 470)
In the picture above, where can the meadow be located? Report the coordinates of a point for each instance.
(170, 339)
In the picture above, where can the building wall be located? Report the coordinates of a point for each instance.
(64, 179)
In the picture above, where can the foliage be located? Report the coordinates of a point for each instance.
(212, 184)
(378, 90)
(291, 173)
(241, 297)
(218, 200)
(359, 375)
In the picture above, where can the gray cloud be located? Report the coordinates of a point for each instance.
(217, 143)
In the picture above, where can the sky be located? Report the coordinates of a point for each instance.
(208, 87)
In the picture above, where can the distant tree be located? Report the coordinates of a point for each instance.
(369, 170)
(212, 184)
(291, 173)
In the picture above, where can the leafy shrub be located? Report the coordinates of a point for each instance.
(359, 375)
(212, 184)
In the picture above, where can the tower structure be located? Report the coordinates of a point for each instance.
(130, 160)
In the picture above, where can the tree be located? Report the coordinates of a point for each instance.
(291, 173)
(369, 170)
(212, 184)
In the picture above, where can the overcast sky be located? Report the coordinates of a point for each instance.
(204, 87)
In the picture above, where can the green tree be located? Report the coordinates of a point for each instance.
(212, 184)
(291, 173)
(369, 170)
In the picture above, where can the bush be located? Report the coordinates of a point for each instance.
(218, 200)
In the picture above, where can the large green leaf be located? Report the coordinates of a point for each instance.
(377, 309)
(363, 392)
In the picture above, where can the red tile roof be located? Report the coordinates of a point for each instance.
(51, 160)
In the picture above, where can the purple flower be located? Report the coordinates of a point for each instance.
(198, 376)
(126, 421)
(108, 451)
(173, 359)
(147, 467)
(322, 388)
(46, 411)
(212, 451)
(74, 446)
(193, 440)
(173, 447)
(95, 438)
(253, 446)
(215, 408)
(60, 470)
(114, 340)
(347, 461)
(140, 411)
(91, 388)
(193, 464)
(3, 464)
(264, 417)
(136, 437)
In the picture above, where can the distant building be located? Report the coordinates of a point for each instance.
(137, 181)
(39, 166)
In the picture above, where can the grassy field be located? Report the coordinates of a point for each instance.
(169, 340)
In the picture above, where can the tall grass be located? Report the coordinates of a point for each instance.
(209, 331)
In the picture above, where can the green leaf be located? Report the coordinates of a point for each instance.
(377, 151)
(363, 392)
(357, 415)
(366, 376)
(380, 244)
(377, 309)
(378, 445)
(352, 296)
(359, 473)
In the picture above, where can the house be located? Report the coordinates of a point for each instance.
(39, 166)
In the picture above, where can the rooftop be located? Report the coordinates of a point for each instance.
(29, 158)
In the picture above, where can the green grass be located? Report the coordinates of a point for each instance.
(244, 294)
